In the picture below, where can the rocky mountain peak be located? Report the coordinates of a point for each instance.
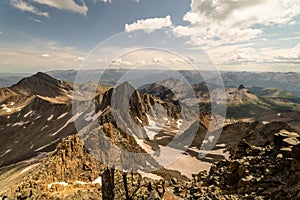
(41, 84)
(125, 85)
(40, 76)
(241, 87)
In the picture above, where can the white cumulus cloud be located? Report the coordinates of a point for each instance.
(218, 22)
(120, 61)
(45, 55)
(76, 6)
(243, 55)
(149, 25)
(26, 7)
(69, 5)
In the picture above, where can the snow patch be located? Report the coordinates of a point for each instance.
(29, 167)
(149, 175)
(98, 115)
(211, 138)
(150, 133)
(179, 123)
(221, 145)
(27, 114)
(67, 123)
(37, 117)
(186, 164)
(80, 182)
(89, 117)
(20, 124)
(140, 121)
(57, 183)
(62, 116)
(50, 118)
(162, 137)
(4, 107)
(143, 145)
(152, 129)
(47, 145)
(98, 180)
(6, 152)
(44, 127)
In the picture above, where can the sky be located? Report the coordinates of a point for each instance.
(237, 35)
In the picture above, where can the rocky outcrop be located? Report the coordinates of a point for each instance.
(270, 170)
(6, 93)
(68, 173)
(130, 103)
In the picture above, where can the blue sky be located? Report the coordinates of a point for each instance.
(72, 29)
(42, 35)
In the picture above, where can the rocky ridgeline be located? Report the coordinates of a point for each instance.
(271, 171)
(268, 170)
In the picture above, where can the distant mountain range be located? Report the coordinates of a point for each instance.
(286, 81)
(243, 103)
(8, 79)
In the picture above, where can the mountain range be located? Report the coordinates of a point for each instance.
(60, 140)
(288, 81)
